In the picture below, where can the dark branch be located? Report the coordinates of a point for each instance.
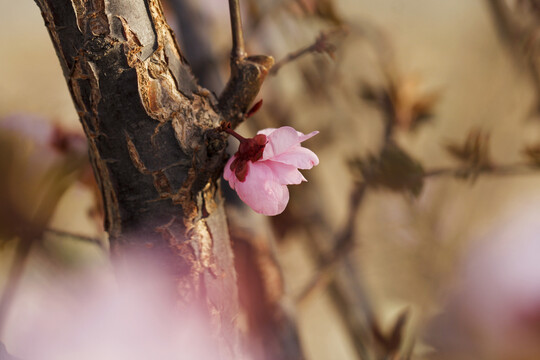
(238, 49)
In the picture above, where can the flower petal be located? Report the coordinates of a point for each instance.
(279, 141)
(284, 174)
(303, 137)
(261, 190)
(267, 131)
(299, 157)
(228, 174)
(282, 139)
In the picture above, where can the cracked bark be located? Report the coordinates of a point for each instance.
(153, 144)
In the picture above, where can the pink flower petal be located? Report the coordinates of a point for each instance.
(299, 157)
(261, 191)
(279, 141)
(228, 174)
(266, 131)
(282, 139)
(284, 174)
(303, 137)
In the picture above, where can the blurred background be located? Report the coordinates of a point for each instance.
(416, 237)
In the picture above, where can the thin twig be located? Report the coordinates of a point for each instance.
(348, 296)
(238, 47)
(342, 245)
(320, 45)
(499, 170)
(70, 235)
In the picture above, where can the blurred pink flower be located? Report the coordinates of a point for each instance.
(94, 313)
(494, 311)
(263, 166)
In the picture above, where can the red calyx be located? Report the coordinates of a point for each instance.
(249, 150)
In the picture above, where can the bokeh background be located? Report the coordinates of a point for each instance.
(458, 261)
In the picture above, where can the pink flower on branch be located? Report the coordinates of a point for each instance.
(264, 165)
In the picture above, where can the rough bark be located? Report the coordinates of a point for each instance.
(154, 147)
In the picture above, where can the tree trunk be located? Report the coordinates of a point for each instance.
(154, 146)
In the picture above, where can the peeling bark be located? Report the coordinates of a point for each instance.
(153, 144)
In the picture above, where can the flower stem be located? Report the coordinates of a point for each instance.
(230, 131)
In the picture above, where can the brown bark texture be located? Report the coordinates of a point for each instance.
(154, 144)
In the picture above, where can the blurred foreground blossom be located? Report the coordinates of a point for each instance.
(264, 165)
(128, 314)
(495, 312)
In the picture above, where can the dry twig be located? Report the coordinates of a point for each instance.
(73, 236)
(321, 45)
(342, 245)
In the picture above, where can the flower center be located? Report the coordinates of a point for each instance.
(249, 150)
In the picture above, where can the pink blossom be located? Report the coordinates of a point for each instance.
(264, 165)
